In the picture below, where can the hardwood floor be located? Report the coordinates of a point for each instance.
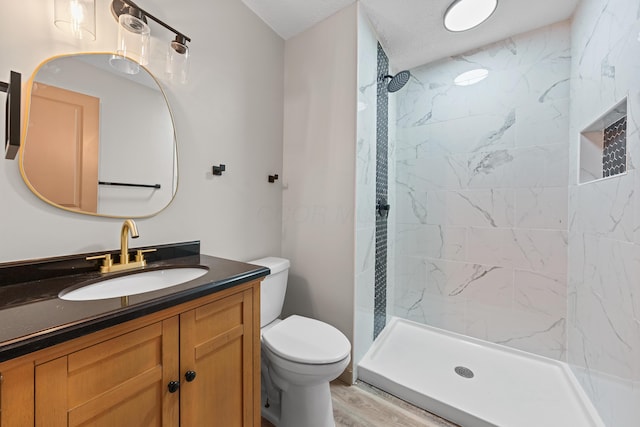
(362, 405)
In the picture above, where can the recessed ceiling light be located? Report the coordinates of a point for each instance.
(465, 14)
(471, 77)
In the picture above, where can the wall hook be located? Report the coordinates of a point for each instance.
(217, 170)
(12, 114)
(273, 178)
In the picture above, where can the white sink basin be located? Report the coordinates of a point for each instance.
(133, 284)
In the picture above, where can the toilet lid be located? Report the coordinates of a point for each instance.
(303, 340)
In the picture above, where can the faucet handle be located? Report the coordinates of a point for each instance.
(106, 264)
(140, 254)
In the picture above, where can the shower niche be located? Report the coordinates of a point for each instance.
(603, 145)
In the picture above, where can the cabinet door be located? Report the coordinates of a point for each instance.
(118, 382)
(16, 395)
(217, 343)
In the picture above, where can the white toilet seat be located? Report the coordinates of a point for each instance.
(302, 340)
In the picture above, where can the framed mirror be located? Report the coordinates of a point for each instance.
(99, 141)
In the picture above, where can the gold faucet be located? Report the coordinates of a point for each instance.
(128, 227)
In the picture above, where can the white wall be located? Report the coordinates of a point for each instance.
(319, 170)
(604, 232)
(230, 112)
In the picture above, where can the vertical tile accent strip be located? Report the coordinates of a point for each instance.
(614, 150)
(382, 157)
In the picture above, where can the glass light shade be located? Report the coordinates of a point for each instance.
(177, 66)
(463, 15)
(133, 38)
(471, 77)
(124, 64)
(77, 17)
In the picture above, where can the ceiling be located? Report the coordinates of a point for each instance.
(411, 31)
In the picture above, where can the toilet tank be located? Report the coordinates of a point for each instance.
(273, 288)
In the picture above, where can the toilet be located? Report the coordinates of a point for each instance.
(300, 356)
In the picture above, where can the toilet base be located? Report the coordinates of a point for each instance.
(302, 406)
(307, 406)
(271, 413)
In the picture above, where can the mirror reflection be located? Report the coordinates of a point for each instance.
(98, 141)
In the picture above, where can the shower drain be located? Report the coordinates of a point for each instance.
(464, 372)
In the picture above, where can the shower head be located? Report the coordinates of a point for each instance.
(398, 81)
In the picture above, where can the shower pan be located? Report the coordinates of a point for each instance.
(472, 382)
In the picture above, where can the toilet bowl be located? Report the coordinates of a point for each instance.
(300, 356)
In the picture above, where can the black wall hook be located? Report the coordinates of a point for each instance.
(217, 170)
(273, 178)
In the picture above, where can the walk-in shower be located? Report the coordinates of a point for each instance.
(503, 280)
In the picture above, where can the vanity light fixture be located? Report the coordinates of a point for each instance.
(133, 40)
(12, 115)
(471, 77)
(77, 17)
(463, 15)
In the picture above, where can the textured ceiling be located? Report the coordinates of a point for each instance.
(411, 31)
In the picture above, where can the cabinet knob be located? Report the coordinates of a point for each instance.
(173, 386)
(190, 376)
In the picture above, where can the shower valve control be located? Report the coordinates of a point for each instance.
(382, 208)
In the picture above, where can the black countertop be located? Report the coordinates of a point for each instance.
(32, 316)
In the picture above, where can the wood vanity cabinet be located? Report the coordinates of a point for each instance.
(196, 364)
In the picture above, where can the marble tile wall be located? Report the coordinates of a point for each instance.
(603, 327)
(481, 193)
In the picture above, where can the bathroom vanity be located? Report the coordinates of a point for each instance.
(186, 355)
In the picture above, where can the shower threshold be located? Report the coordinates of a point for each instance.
(472, 382)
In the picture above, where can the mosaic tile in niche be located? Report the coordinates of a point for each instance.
(614, 153)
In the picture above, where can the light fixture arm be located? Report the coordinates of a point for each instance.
(118, 7)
